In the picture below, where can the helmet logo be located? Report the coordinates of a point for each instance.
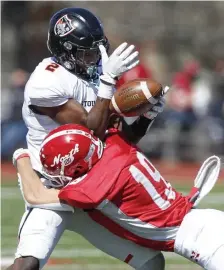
(67, 45)
(63, 26)
(66, 159)
(69, 65)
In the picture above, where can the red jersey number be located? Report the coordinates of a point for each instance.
(52, 67)
(140, 177)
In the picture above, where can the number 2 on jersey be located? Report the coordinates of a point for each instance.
(52, 67)
(147, 182)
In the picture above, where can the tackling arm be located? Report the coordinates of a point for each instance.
(33, 190)
(135, 130)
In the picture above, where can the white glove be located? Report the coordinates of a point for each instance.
(158, 107)
(19, 153)
(120, 61)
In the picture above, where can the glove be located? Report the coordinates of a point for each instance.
(158, 107)
(120, 61)
(19, 153)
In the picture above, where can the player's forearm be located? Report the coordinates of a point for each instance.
(136, 130)
(97, 119)
(33, 190)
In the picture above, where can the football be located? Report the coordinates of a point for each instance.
(135, 97)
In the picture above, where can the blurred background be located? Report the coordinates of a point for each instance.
(181, 45)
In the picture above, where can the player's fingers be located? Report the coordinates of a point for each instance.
(157, 108)
(102, 49)
(127, 52)
(150, 114)
(131, 58)
(162, 101)
(165, 90)
(103, 52)
(159, 105)
(133, 64)
(120, 49)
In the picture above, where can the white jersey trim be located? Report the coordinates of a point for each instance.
(48, 102)
(135, 225)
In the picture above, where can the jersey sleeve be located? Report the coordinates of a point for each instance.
(88, 192)
(47, 96)
(76, 198)
(50, 89)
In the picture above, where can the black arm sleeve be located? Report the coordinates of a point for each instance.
(136, 130)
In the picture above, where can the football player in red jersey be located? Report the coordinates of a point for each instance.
(125, 193)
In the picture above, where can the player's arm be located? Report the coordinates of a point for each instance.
(33, 190)
(136, 130)
(73, 112)
(36, 195)
(121, 60)
(136, 127)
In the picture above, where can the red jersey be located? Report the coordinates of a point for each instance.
(129, 196)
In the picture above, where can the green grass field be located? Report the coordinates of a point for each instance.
(73, 252)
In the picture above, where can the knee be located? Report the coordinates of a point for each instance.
(26, 263)
(159, 262)
(156, 263)
(217, 260)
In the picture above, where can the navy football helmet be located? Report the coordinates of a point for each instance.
(74, 37)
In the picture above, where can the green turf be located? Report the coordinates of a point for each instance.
(12, 208)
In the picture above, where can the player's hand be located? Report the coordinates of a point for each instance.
(121, 60)
(158, 107)
(19, 153)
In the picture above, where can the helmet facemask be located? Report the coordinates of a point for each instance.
(57, 180)
(86, 60)
(82, 61)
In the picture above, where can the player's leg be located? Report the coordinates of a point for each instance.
(39, 232)
(216, 262)
(156, 263)
(25, 263)
(124, 250)
(201, 238)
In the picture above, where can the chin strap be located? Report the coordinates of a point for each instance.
(205, 180)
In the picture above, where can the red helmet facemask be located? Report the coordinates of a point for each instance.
(69, 152)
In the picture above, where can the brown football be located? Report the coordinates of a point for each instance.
(135, 97)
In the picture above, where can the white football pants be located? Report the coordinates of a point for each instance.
(201, 238)
(41, 229)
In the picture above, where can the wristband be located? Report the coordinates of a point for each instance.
(106, 90)
(22, 156)
(107, 79)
